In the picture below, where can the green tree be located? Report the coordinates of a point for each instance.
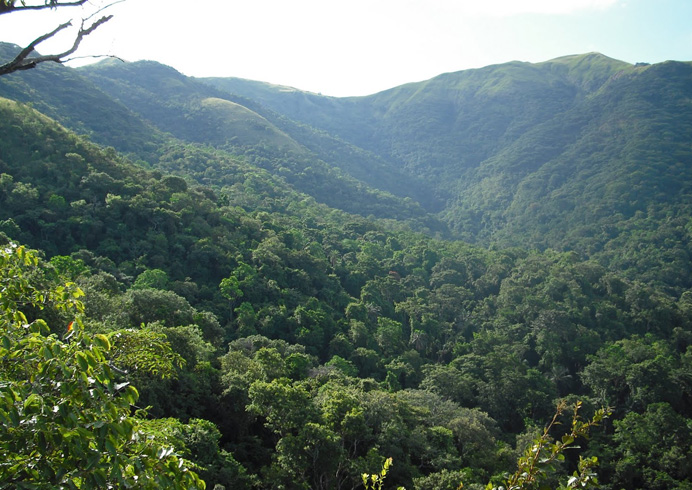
(66, 421)
(151, 278)
(285, 407)
(653, 449)
(230, 289)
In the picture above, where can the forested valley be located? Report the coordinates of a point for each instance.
(226, 281)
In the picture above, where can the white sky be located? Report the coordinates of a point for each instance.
(358, 47)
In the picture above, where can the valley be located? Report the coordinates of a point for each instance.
(300, 287)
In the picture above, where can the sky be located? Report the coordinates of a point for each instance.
(359, 47)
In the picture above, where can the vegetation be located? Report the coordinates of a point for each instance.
(66, 419)
(196, 310)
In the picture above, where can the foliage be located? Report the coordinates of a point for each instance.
(282, 343)
(375, 481)
(541, 457)
(65, 418)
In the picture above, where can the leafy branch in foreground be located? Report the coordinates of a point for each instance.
(65, 420)
(376, 480)
(541, 457)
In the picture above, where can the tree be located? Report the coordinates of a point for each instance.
(65, 419)
(653, 449)
(151, 278)
(230, 289)
(24, 60)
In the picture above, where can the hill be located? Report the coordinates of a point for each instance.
(159, 107)
(571, 154)
(280, 342)
(332, 171)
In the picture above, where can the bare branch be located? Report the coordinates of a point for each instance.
(23, 62)
(8, 6)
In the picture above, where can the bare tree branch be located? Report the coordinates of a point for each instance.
(23, 62)
(8, 6)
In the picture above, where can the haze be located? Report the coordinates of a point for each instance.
(359, 47)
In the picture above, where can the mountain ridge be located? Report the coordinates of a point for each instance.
(531, 153)
(310, 343)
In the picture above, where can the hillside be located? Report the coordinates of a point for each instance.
(224, 264)
(75, 102)
(160, 108)
(572, 154)
(331, 171)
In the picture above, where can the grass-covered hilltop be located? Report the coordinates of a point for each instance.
(243, 284)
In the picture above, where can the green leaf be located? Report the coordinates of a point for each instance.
(102, 341)
(110, 447)
(82, 361)
(567, 439)
(14, 417)
(100, 477)
(33, 402)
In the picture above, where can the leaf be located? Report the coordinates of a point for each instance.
(14, 417)
(102, 341)
(82, 361)
(110, 447)
(100, 477)
(32, 402)
(130, 395)
(164, 452)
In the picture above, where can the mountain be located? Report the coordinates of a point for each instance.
(579, 153)
(454, 120)
(572, 154)
(290, 324)
(319, 164)
(159, 106)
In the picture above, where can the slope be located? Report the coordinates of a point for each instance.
(578, 153)
(195, 112)
(185, 109)
(444, 126)
(62, 94)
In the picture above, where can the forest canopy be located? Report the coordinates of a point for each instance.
(183, 310)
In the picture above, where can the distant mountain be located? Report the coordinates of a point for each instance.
(183, 107)
(142, 108)
(572, 153)
(580, 153)
(454, 120)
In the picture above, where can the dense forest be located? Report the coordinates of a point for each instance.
(258, 287)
